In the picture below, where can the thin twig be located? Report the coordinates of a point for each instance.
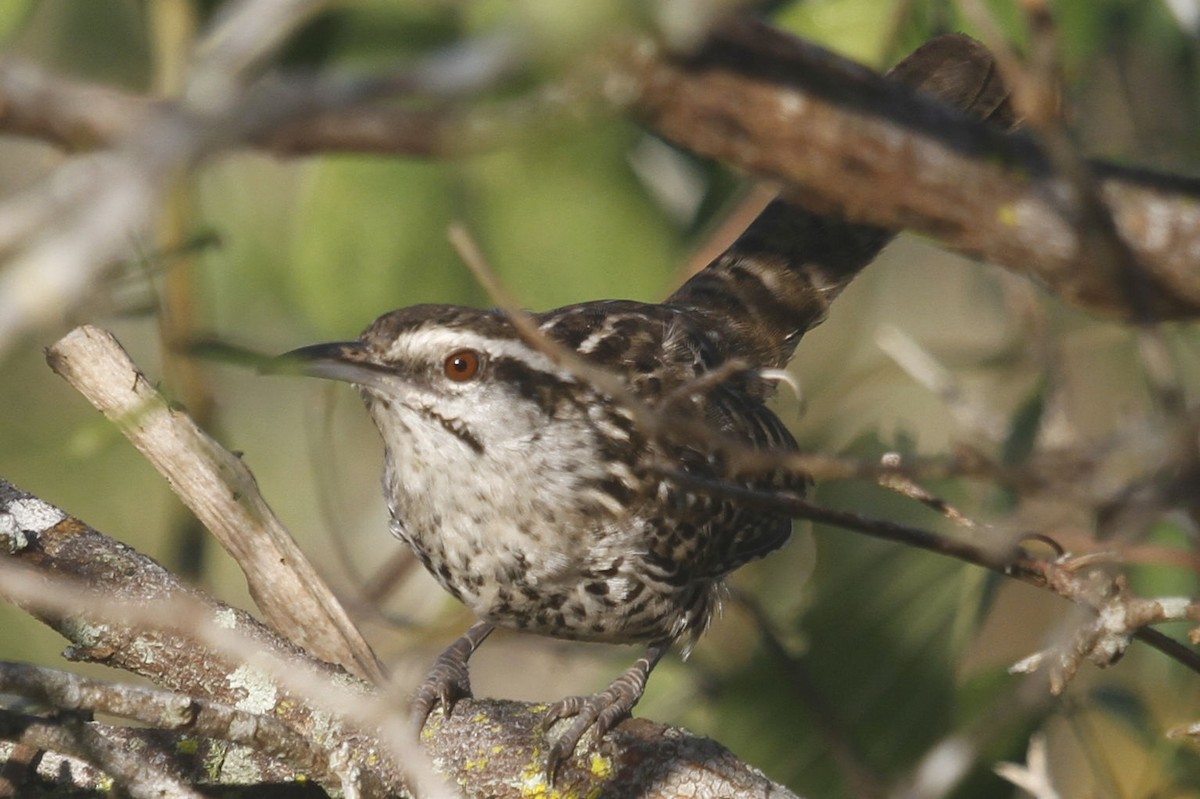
(1008, 560)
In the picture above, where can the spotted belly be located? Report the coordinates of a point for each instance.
(609, 602)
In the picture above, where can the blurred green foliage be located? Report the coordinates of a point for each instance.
(904, 648)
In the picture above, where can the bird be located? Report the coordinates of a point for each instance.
(549, 469)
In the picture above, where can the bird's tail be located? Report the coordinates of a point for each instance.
(777, 280)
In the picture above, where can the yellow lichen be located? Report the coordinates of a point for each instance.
(602, 767)
(535, 786)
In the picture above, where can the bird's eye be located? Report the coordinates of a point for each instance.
(462, 365)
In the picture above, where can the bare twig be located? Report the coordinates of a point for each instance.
(1119, 617)
(220, 490)
(1103, 641)
(910, 488)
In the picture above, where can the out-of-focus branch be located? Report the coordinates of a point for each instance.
(848, 142)
(60, 236)
(69, 114)
(835, 134)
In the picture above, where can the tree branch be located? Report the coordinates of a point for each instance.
(834, 133)
(58, 759)
(847, 142)
(120, 608)
(220, 490)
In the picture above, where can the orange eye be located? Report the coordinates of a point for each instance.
(462, 365)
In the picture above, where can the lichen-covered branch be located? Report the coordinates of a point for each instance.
(120, 608)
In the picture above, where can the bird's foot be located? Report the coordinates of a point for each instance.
(449, 680)
(598, 712)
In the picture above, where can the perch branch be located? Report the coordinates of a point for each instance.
(139, 618)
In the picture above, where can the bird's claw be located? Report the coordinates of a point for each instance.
(447, 682)
(597, 713)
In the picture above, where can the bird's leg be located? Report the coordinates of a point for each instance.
(448, 680)
(601, 711)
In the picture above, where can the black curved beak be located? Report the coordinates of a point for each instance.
(349, 361)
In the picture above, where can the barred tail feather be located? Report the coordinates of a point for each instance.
(777, 280)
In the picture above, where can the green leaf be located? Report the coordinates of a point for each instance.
(370, 235)
(565, 220)
(1023, 432)
(13, 15)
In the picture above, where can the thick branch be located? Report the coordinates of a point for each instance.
(850, 143)
(140, 618)
(485, 746)
(139, 773)
(120, 608)
(832, 132)
(63, 760)
(162, 710)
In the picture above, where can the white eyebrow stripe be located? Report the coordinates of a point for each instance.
(435, 343)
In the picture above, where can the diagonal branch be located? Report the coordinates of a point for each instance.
(852, 144)
(219, 489)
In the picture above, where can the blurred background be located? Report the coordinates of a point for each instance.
(840, 665)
